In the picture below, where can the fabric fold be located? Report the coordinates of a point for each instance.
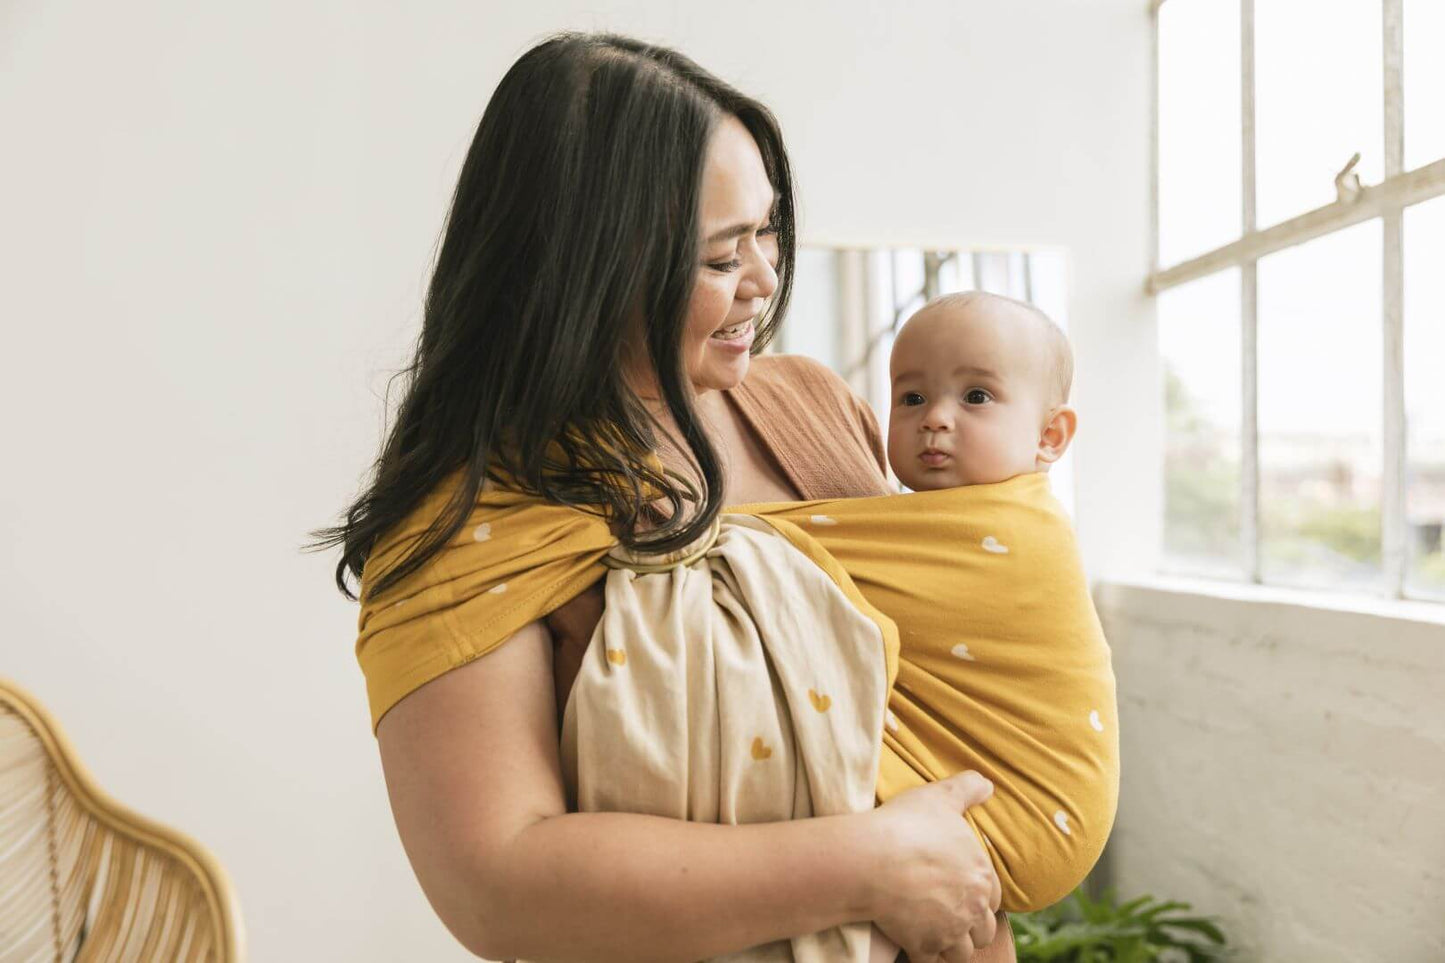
(704, 696)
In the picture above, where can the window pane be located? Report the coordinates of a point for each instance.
(1320, 411)
(1200, 350)
(1425, 396)
(1319, 90)
(1199, 128)
(1424, 22)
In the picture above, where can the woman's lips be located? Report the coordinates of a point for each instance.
(934, 459)
(738, 342)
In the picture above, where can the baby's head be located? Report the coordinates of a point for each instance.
(980, 392)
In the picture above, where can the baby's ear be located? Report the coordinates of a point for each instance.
(1057, 433)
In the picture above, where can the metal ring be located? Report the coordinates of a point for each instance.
(647, 568)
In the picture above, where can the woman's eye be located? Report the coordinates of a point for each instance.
(726, 266)
(977, 396)
(912, 398)
(770, 228)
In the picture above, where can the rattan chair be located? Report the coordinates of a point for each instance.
(82, 878)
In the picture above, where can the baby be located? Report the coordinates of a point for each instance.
(980, 391)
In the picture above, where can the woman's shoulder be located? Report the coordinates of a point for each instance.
(809, 387)
(796, 372)
(514, 559)
(816, 425)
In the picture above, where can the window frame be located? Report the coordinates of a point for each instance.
(1387, 201)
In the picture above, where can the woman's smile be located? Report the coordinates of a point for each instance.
(737, 337)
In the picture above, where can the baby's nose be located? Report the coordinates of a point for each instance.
(937, 420)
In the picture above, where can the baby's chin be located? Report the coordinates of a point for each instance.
(931, 482)
(953, 477)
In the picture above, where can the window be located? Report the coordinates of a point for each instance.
(1303, 348)
(1320, 418)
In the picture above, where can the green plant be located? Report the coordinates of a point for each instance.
(1081, 930)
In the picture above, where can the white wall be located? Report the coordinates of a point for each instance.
(216, 225)
(1283, 767)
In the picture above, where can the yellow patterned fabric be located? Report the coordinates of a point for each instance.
(1002, 666)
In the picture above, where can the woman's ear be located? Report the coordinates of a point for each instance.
(1055, 438)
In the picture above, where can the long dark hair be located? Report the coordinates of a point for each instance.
(576, 211)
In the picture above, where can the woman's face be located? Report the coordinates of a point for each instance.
(738, 254)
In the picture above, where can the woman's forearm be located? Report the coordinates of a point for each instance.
(599, 887)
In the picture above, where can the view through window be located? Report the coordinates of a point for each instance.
(1301, 300)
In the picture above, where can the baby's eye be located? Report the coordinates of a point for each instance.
(977, 396)
(912, 398)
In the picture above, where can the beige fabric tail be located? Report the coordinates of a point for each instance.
(736, 685)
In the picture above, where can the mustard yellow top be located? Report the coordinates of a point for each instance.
(1002, 665)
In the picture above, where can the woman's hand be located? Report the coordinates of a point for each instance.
(937, 889)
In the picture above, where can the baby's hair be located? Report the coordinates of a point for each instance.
(1061, 353)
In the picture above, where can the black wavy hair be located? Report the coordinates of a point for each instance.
(576, 211)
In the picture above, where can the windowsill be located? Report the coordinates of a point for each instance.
(1407, 610)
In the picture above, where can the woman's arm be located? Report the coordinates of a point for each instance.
(472, 768)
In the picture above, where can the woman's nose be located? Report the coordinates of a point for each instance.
(762, 277)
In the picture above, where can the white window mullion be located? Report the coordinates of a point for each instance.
(1154, 141)
(1249, 430)
(1248, 310)
(1391, 194)
(1392, 496)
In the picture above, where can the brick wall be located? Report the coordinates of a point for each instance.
(1283, 767)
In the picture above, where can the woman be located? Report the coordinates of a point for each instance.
(620, 246)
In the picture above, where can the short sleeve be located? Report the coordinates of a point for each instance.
(859, 410)
(514, 561)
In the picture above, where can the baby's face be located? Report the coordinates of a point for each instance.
(970, 397)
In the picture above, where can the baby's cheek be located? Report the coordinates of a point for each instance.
(897, 453)
(906, 468)
(1023, 451)
(994, 455)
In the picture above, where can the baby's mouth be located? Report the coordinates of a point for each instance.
(933, 457)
